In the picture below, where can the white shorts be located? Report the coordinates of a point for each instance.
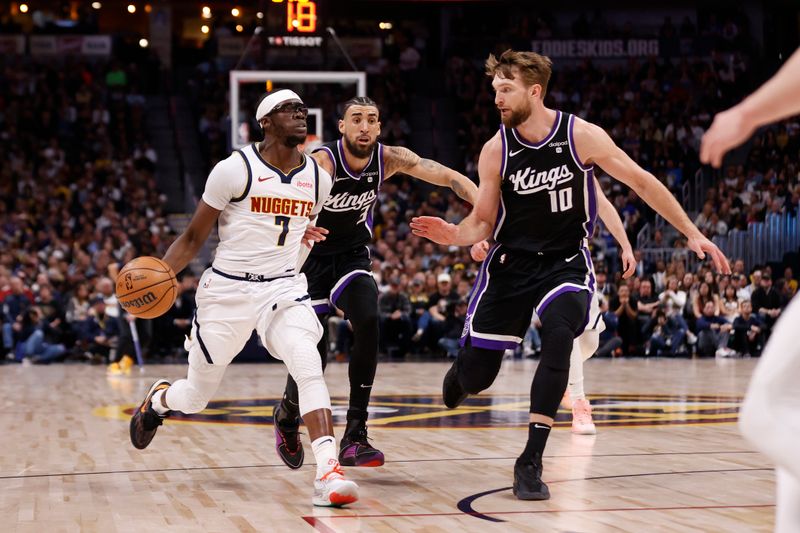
(228, 311)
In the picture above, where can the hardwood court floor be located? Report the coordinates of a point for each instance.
(667, 457)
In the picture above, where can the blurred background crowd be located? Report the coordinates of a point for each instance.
(105, 153)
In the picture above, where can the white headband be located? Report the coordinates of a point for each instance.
(273, 100)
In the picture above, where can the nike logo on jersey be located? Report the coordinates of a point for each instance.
(265, 178)
(568, 259)
(530, 181)
(512, 154)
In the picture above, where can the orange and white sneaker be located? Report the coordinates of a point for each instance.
(582, 423)
(333, 490)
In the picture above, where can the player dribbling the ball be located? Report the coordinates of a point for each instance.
(262, 197)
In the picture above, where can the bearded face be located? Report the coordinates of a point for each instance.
(517, 115)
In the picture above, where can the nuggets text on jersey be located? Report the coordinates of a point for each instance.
(280, 206)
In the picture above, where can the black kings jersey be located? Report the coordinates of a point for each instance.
(547, 199)
(347, 213)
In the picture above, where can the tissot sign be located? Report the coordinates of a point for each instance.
(597, 48)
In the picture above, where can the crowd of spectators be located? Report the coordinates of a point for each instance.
(78, 198)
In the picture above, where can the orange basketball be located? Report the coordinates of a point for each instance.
(146, 287)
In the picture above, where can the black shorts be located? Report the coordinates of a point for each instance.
(328, 275)
(512, 284)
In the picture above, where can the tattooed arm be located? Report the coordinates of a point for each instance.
(398, 159)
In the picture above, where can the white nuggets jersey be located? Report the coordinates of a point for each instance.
(264, 211)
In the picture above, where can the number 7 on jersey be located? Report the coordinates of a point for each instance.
(282, 221)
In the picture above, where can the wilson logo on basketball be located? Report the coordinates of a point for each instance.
(141, 301)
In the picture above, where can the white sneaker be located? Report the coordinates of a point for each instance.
(691, 338)
(333, 490)
(722, 352)
(726, 352)
(582, 423)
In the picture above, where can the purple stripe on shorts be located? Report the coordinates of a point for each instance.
(481, 283)
(588, 257)
(345, 281)
(321, 309)
(588, 313)
(562, 290)
(492, 344)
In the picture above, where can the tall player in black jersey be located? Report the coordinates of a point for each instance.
(536, 195)
(338, 267)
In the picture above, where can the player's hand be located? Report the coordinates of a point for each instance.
(628, 263)
(479, 251)
(728, 130)
(435, 229)
(313, 234)
(701, 245)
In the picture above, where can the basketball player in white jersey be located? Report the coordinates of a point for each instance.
(262, 196)
(770, 418)
(587, 343)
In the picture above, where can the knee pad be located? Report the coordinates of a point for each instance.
(195, 400)
(306, 368)
(557, 344)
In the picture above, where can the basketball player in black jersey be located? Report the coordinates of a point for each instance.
(338, 268)
(536, 197)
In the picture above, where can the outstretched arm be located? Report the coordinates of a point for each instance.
(778, 98)
(401, 159)
(595, 147)
(479, 223)
(188, 244)
(611, 219)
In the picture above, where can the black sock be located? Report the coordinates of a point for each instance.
(537, 439)
(287, 413)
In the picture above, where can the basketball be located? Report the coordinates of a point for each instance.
(146, 287)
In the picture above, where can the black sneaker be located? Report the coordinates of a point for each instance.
(528, 484)
(452, 393)
(145, 419)
(355, 449)
(287, 440)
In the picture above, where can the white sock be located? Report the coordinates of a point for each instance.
(158, 405)
(575, 382)
(325, 453)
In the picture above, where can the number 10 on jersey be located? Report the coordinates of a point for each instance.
(561, 200)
